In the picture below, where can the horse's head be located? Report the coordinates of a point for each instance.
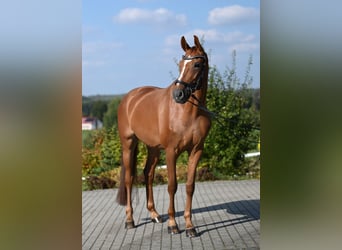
(192, 68)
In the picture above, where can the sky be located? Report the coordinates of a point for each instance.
(132, 43)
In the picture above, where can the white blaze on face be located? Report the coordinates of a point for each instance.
(183, 69)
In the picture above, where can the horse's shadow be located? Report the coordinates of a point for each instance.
(249, 209)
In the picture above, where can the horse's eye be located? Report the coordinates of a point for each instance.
(197, 65)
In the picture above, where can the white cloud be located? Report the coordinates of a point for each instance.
(232, 14)
(158, 16)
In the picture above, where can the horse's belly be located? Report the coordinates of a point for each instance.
(148, 135)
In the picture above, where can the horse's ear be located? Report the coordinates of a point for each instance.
(197, 43)
(184, 44)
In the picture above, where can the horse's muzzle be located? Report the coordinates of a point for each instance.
(181, 95)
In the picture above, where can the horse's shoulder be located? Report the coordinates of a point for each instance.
(204, 122)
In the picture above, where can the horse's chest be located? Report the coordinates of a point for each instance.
(186, 133)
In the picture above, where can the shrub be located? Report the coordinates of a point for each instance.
(90, 161)
(88, 139)
(160, 177)
(205, 174)
(110, 148)
(101, 152)
(99, 182)
(233, 130)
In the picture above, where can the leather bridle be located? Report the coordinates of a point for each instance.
(182, 95)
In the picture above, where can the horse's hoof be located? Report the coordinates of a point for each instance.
(129, 225)
(157, 219)
(191, 232)
(173, 229)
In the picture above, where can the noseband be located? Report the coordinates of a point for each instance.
(182, 95)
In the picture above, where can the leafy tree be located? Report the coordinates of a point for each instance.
(98, 109)
(256, 99)
(233, 130)
(110, 117)
(86, 106)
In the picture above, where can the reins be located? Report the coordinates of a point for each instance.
(215, 115)
(219, 118)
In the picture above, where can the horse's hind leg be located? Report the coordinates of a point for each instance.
(152, 160)
(129, 155)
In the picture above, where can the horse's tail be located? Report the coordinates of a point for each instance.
(121, 197)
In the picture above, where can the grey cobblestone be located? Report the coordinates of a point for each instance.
(226, 215)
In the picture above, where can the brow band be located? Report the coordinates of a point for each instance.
(193, 57)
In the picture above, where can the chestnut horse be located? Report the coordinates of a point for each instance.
(170, 119)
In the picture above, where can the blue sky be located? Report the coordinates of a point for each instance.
(127, 44)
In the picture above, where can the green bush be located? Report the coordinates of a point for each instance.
(99, 182)
(88, 139)
(101, 151)
(235, 119)
(111, 148)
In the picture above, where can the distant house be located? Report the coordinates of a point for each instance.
(90, 123)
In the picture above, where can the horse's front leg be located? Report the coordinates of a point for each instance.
(152, 160)
(194, 158)
(172, 189)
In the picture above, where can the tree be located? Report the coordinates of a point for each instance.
(233, 130)
(110, 117)
(256, 99)
(98, 109)
(86, 106)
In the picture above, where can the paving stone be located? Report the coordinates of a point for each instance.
(226, 215)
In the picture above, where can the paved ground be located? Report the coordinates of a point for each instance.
(225, 213)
